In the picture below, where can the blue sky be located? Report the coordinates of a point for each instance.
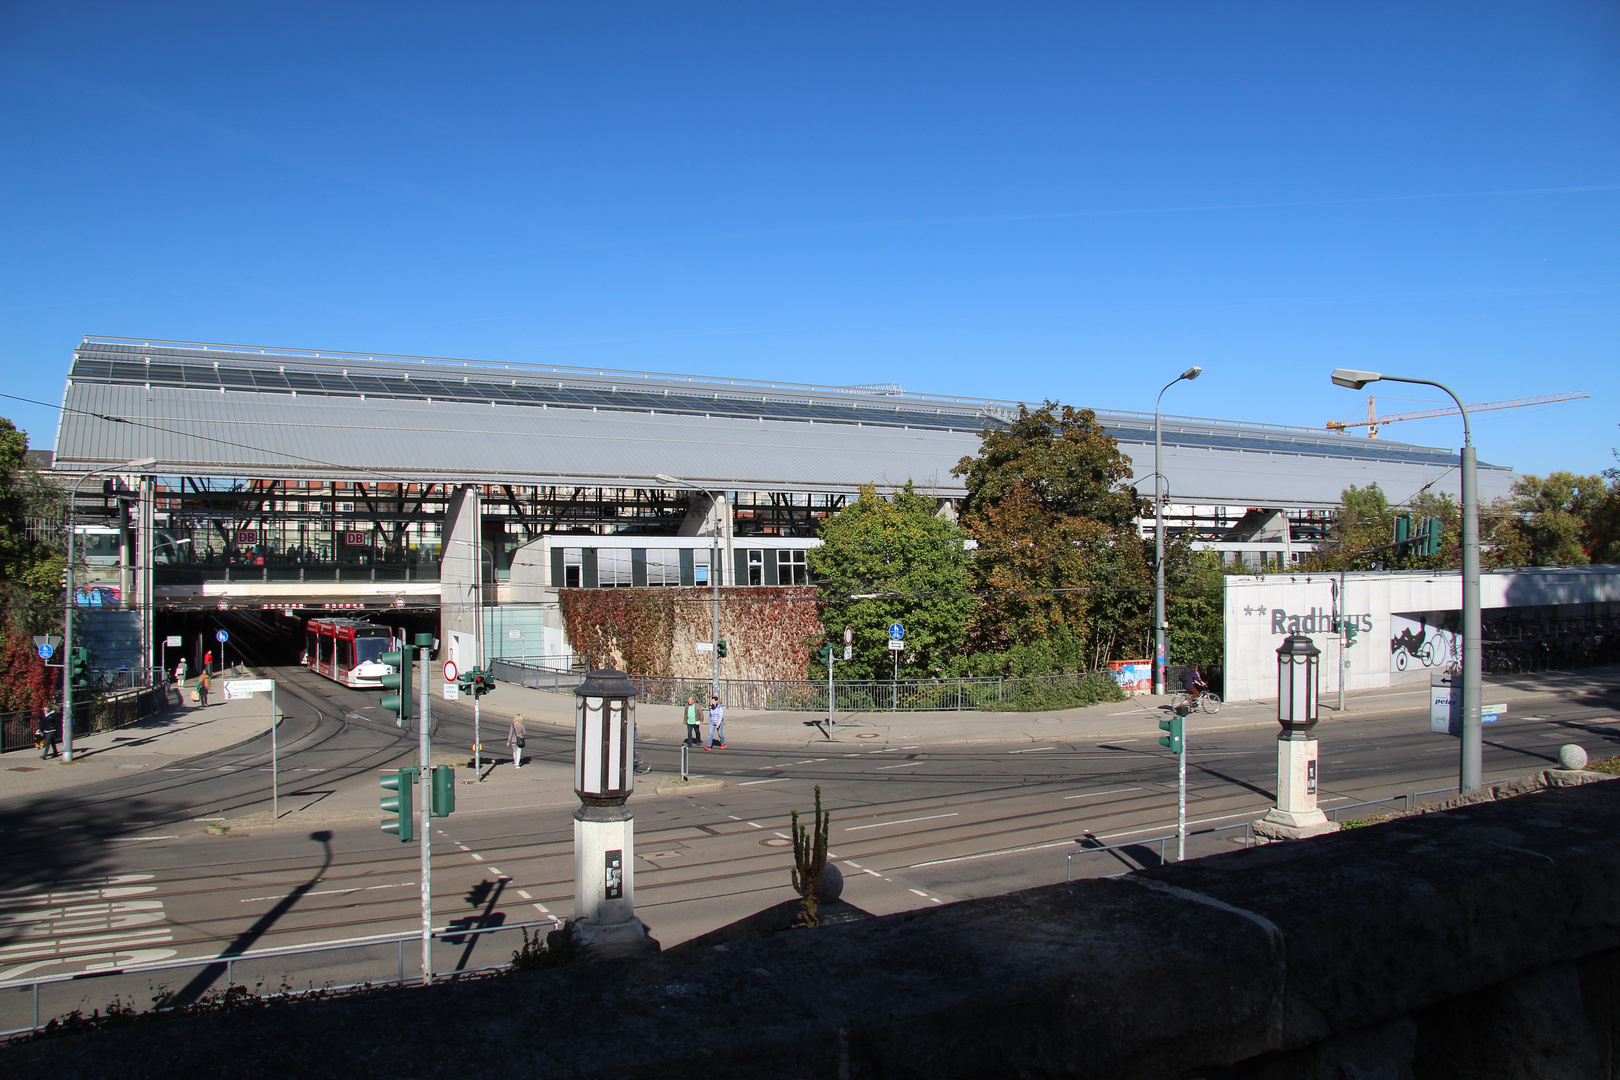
(1070, 201)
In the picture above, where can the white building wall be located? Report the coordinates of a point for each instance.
(1262, 610)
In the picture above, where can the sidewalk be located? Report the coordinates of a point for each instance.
(173, 735)
(1113, 720)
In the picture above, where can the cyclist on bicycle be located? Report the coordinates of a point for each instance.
(1194, 684)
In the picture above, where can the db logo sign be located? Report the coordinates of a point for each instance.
(354, 539)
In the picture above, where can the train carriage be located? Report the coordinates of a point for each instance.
(347, 651)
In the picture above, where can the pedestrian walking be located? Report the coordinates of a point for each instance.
(202, 689)
(180, 673)
(50, 730)
(208, 660)
(717, 726)
(515, 738)
(693, 735)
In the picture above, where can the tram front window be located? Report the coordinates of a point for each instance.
(369, 649)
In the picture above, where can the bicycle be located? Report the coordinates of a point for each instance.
(1209, 701)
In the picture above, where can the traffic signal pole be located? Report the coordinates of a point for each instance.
(425, 772)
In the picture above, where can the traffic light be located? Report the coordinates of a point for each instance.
(444, 790)
(1403, 533)
(1351, 628)
(399, 804)
(1429, 543)
(1176, 741)
(720, 649)
(402, 704)
(475, 681)
(79, 666)
(825, 655)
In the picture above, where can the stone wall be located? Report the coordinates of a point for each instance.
(1482, 941)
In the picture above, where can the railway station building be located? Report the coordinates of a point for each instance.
(285, 483)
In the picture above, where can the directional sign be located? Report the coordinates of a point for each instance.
(221, 636)
(172, 641)
(235, 688)
(46, 651)
(896, 646)
(450, 673)
(896, 632)
(705, 647)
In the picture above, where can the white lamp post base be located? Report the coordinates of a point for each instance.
(1295, 815)
(604, 899)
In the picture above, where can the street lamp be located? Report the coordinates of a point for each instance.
(67, 603)
(716, 498)
(1296, 814)
(1471, 765)
(1160, 646)
(478, 650)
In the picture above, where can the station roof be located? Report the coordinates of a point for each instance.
(235, 411)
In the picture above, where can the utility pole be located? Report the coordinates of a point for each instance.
(424, 770)
(1161, 648)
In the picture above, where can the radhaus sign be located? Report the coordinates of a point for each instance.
(1315, 621)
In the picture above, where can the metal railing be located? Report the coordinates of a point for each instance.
(449, 935)
(107, 711)
(875, 695)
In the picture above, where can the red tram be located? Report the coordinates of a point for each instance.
(347, 651)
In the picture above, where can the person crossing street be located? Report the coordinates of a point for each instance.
(717, 726)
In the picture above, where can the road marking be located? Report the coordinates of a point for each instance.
(497, 872)
(919, 892)
(542, 909)
(856, 865)
(783, 835)
(905, 821)
(1171, 825)
(756, 824)
(119, 839)
(525, 895)
(874, 873)
(92, 923)
(1096, 794)
(750, 783)
(476, 856)
(936, 899)
(1035, 750)
(988, 854)
(330, 892)
(906, 765)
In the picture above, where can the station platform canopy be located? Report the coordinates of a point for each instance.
(234, 411)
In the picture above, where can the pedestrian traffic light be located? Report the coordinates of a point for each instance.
(399, 804)
(720, 649)
(825, 655)
(403, 703)
(1351, 629)
(444, 790)
(79, 666)
(483, 682)
(1176, 741)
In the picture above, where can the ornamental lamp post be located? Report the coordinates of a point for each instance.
(1295, 815)
(604, 828)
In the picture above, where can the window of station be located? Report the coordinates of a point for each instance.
(571, 568)
(700, 567)
(613, 568)
(791, 568)
(663, 566)
(756, 567)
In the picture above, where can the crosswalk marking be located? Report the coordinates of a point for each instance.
(92, 924)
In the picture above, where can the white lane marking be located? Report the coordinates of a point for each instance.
(750, 783)
(119, 839)
(856, 865)
(330, 892)
(733, 817)
(874, 873)
(903, 821)
(905, 765)
(988, 854)
(756, 824)
(542, 909)
(476, 856)
(935, 899)
(1034, 750)
(1095, 794)
(919, 892)
(1171, 825)
(93, 923)
(1112, 742)
(783, 835)
(497, 872)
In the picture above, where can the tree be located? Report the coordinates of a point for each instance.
(1363, 532)
(31, 565)
(909, 566)
(1065, 576)
(1562, 519)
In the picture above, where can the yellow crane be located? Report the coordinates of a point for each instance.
(1373, 420)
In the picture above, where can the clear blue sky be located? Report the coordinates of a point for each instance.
(1070, 201)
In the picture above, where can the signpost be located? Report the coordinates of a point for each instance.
(222, 637)
(246, 688)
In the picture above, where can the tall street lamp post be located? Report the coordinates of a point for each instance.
(67, 603)
(716, 500)
(1160, 646)
(1471, 766)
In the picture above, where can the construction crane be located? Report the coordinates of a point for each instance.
(1373, 420)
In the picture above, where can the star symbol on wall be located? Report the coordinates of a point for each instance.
(1261, 609)
(1248, 610)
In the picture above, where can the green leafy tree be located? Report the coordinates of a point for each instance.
(907, 565)
(31, 564)
(1562, 519)
(1065, 577)
(1195, 606)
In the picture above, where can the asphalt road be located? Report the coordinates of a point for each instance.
(126, 871)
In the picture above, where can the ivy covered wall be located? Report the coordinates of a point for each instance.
(771, 631)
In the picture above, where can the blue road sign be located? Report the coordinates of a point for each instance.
(46, 652)
(222, 637)
(896, 632)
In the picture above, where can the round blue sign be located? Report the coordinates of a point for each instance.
(46, 652)
(222, 637)
(896, 632)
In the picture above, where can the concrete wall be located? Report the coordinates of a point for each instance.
(1262, 610)
(1477, 942)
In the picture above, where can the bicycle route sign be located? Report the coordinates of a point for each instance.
(897, 632)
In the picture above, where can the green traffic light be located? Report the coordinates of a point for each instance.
(402, 704)
(1176, 741)
(399, 804)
